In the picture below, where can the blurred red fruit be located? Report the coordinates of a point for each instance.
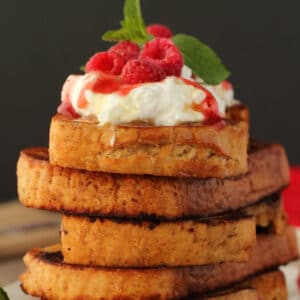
(159, 30)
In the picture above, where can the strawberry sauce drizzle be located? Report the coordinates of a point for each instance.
(66, 109)
(209, 106)
(127, 88)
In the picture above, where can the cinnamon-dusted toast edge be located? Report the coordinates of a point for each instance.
(191, 150)
(40, 185)
(46, 272)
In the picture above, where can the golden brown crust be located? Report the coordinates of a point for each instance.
(242, 294)
(104, 242)
(268, 215)
(270, 286)
(194, 150)
(47, 277)
(267, 286)
(40, 185)
(238, 112)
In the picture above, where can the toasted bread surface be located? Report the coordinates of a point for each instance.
(238, 112)
(242, 294)
(267, 286)
(194, 150)
(97, 241)
(44, 186)
(269, 214)
(107, 242)
(48, 277)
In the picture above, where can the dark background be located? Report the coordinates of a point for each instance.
(44, 41)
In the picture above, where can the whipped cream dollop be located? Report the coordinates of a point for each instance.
(171, 101)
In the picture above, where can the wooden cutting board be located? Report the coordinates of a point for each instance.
(24, 228)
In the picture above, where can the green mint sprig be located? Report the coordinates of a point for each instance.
(201, 59)
(132, 26)
(3, 295)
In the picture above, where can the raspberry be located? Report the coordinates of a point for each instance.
(108, 62)
(100, 61)
(159, 30)
(127, 50)
(141, 70)
(165, 54)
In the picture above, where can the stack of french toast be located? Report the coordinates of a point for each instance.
(199, 223)
(162, 194)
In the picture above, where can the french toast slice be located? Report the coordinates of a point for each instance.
(44, 186)
(128, 243)
(48, 277)
(96, 241)
(186, 150)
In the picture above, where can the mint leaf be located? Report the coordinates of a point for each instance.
(201, 59)
(3, 295)
(132, 27)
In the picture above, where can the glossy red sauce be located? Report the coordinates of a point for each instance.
(208, 107)
(102, 83)
(125, 89)
(105, 84)
(66, 109)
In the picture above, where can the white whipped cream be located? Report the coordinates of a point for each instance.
(165, 103)
(168, 102)
(224, 89)
(226, 94)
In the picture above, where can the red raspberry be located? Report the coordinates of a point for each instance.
(100, 61)
(159, 30)
(108, 62)
(165, 54)
(141, 70)
(127, 50)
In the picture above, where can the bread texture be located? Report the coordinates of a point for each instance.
(242, 294)
(192, 150)
(269, 214)
(238, 112)
(97, 241)
(45, 186)
(267, 286)
(49, 278)
(119, 243)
